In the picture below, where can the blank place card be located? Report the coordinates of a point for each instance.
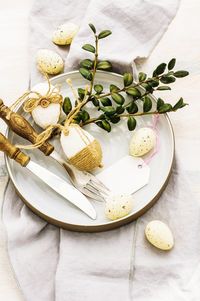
(127, 175)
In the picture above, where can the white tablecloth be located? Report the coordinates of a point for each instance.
(183, 31)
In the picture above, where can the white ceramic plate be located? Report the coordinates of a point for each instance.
(50, 206)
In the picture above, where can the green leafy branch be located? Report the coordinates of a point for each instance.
(112, 105)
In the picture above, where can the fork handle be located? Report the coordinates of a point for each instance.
(22, 128)
(12, 151)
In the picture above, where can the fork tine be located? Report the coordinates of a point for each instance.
(93, 193)
(92, 189)
(99, 186)
(95, 180)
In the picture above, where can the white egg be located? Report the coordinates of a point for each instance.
(65, 33)
(118, 206)
(159, 235)
(82, 149)
(49, 61)
(45, 116)
(142, 141)
(42, 88)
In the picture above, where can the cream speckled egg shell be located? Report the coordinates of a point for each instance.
(118, 206)
(65, 33)
(142, 141)
(46, 116)
(159, 235)
(49, 61)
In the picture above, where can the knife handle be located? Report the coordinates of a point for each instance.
(22, 128)
(12, 151)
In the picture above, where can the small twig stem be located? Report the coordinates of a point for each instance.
(92, 120)
(126, 88)
(95, 64)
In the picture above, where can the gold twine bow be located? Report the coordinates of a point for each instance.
(46, 134)
(30, 102)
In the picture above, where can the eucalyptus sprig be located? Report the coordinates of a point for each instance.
(112, 105)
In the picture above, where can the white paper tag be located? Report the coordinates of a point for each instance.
(126, 175)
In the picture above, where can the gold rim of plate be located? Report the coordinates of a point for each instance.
(110, 224)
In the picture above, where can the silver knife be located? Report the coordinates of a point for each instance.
(56, 183)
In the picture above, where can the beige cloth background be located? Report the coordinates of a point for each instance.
(184, 123)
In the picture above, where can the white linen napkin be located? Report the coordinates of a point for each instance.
(55, 264)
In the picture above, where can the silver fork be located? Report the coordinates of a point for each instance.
(84, 181)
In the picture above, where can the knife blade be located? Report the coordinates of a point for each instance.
(53, 181)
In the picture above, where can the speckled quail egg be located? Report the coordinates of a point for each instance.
(65, 33)
(49, 61)
(142, 141)
(159, 235)
(118, 206)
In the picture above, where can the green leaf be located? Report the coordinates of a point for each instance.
(180, 104)
(147, 87)
(106, 126)
(77, 118)
(131, 123)
(114, 119)
(98, 88)
(128, 79)
(86, 73)
(87, 63)
(142, 76)
(120, 109)
(171, 64)
(92, 27)
(104, 65)
(167, 79)
(104, 34)
(147, 104)
(67, 105)
(114, 88)
(181, 73)
(153, 83)
(89, 47)
(133, 92)
(162, 88)
(132, 108)
(102, 117)
(95, 101)
(160, 103)
(118, 98)
(109, 110)
(167, 107)
(160, 69)
(81, 93)
(106, 101)
(99, 124)
(84, 116)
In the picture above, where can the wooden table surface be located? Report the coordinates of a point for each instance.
(182, 40)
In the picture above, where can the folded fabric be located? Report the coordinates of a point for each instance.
(137, 27)
(55, 264)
